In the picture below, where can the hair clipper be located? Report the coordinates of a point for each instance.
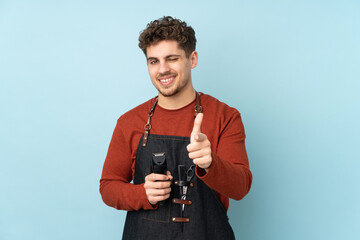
(159, 166)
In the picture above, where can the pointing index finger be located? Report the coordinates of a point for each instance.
(197, 124)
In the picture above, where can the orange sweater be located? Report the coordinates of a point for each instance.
(229, 174)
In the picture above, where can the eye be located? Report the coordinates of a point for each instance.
(153, 61)
(173, 59)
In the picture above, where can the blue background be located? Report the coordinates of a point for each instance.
(69, 69)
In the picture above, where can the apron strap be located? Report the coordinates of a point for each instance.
(198, 109)
(148, 124)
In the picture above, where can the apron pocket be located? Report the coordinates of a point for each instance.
(162, 214)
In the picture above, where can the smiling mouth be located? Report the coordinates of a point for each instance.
(166, 80)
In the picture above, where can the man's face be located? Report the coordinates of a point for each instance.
(169, 68)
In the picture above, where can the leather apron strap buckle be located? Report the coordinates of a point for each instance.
(181, 201)
(183, 183)
(180, 220)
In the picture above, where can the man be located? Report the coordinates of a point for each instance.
(204, 158)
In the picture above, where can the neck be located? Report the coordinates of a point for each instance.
(178, 100)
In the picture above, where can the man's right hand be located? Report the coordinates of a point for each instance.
(157, 187)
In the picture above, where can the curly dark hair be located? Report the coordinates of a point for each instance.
(168, 28)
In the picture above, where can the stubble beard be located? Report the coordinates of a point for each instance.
(164, 90)
(168, 93)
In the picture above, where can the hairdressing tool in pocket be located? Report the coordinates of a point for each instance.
(189, 175)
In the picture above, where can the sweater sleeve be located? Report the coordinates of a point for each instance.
(229, 174)
(116, 188)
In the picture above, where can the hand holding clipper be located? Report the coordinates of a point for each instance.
(157, 187)
(158, 184)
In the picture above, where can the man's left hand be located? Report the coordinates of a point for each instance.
(200, 147)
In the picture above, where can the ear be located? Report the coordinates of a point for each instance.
(194, 57)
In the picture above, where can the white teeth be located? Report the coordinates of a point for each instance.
(165, 80)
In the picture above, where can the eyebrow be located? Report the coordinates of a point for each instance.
(168, 56)
(151, 58)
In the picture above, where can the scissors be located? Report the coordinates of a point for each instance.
(189, 175)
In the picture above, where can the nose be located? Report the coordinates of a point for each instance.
(164, 67)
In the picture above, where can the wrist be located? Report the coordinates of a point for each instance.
(207, 169)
